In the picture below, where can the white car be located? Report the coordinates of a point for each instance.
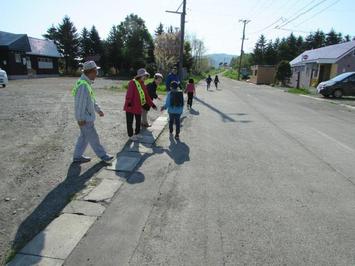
(3, 78)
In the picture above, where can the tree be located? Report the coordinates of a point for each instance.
(96, 43)
(270, 54)
(283, 72)
(115, 48)
(52, 34)
(85, 44)
(68, 43)
(187, 57)
(159, 30)
(347, 38)
(166, 50)
(259, 51)
(315, 40)
(137, 42)
(333, 38)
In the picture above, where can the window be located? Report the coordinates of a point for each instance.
(18, 58)
(45, 63)
(352, 78)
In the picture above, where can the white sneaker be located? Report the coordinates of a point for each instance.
(133, 138)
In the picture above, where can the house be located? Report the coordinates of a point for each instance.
(314, 66)
(23, 57)
(262, 74)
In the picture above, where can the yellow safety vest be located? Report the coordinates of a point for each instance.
(140, 91)
(87, 85)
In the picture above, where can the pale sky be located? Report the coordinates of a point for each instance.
(214, 21)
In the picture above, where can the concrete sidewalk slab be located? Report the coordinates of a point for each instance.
(138, 147)
(124, 163)
(84, 208)
(26, 260)
(104, 191)
(60, 237)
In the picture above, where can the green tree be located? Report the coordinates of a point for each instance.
(283, 72)
(115, 48)
(96, 43)
(85, 44)
(68, 43)
(333, 37)
(259, 51)
(52, 34)
(138, 43)
(347, 38)
(315, 40)
(270, 54)
(159, 30)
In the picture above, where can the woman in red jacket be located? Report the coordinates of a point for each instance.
(137, 97)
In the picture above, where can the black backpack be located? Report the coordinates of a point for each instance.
(176, 98)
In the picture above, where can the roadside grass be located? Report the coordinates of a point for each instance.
(10, 255)
(303, 91)
(231, 73)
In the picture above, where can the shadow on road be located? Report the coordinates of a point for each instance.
(53, 204)
(225, 118)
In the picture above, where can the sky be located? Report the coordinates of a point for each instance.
(216, 22)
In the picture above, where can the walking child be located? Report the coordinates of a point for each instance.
(208, 80)
(174, 103)
(216, 81)
(191, 91)
(152, 91)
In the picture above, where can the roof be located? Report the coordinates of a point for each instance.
(43, 47)
(327, 55)
(13, 41)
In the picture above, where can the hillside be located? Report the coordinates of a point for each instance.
(215, 59)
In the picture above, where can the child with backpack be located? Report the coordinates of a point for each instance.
(190, 90)
(208, 80)
(174, 103)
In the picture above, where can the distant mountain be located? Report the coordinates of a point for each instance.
(215, 59)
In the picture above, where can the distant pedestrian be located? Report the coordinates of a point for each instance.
(208, 80)
(152, 91)
(216, 81)
(137, 97)
(191, 91)
(173, 76)
(174, 103)
(85, 108)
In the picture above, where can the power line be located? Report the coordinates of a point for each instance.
(301, 14)
(317, 13)
(269, 26)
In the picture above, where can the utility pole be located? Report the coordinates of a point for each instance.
(245, 22)
(182, 35)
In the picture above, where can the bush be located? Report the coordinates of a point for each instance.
(283, 72)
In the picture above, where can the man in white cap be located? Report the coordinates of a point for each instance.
(85, 108)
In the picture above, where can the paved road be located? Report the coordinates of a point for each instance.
(260, 177)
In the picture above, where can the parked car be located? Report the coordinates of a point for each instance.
(3, 78)
(339, 86)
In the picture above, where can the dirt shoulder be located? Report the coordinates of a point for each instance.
(37, 137)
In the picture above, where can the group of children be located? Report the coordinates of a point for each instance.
(209, 80)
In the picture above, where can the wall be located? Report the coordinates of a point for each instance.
(347, 63)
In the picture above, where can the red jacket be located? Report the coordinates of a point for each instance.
(133, 102)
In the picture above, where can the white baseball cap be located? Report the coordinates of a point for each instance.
(90, 65)
(158, 75)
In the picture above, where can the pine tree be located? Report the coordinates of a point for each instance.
(259, 51)
(333, 38)
(85, 44)
(270, 54)
(68, 43)
(347, 38)
(188, 60)
(115, 48)
(159, 30)
(52, 34)
(96, 43)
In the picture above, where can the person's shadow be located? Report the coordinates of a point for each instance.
(178, 151)
(52, 205)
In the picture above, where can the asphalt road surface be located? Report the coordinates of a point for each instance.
(260, 177)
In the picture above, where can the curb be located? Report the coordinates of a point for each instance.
(56, 242)
(329, 101)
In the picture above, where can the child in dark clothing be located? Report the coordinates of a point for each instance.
(174, 103)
